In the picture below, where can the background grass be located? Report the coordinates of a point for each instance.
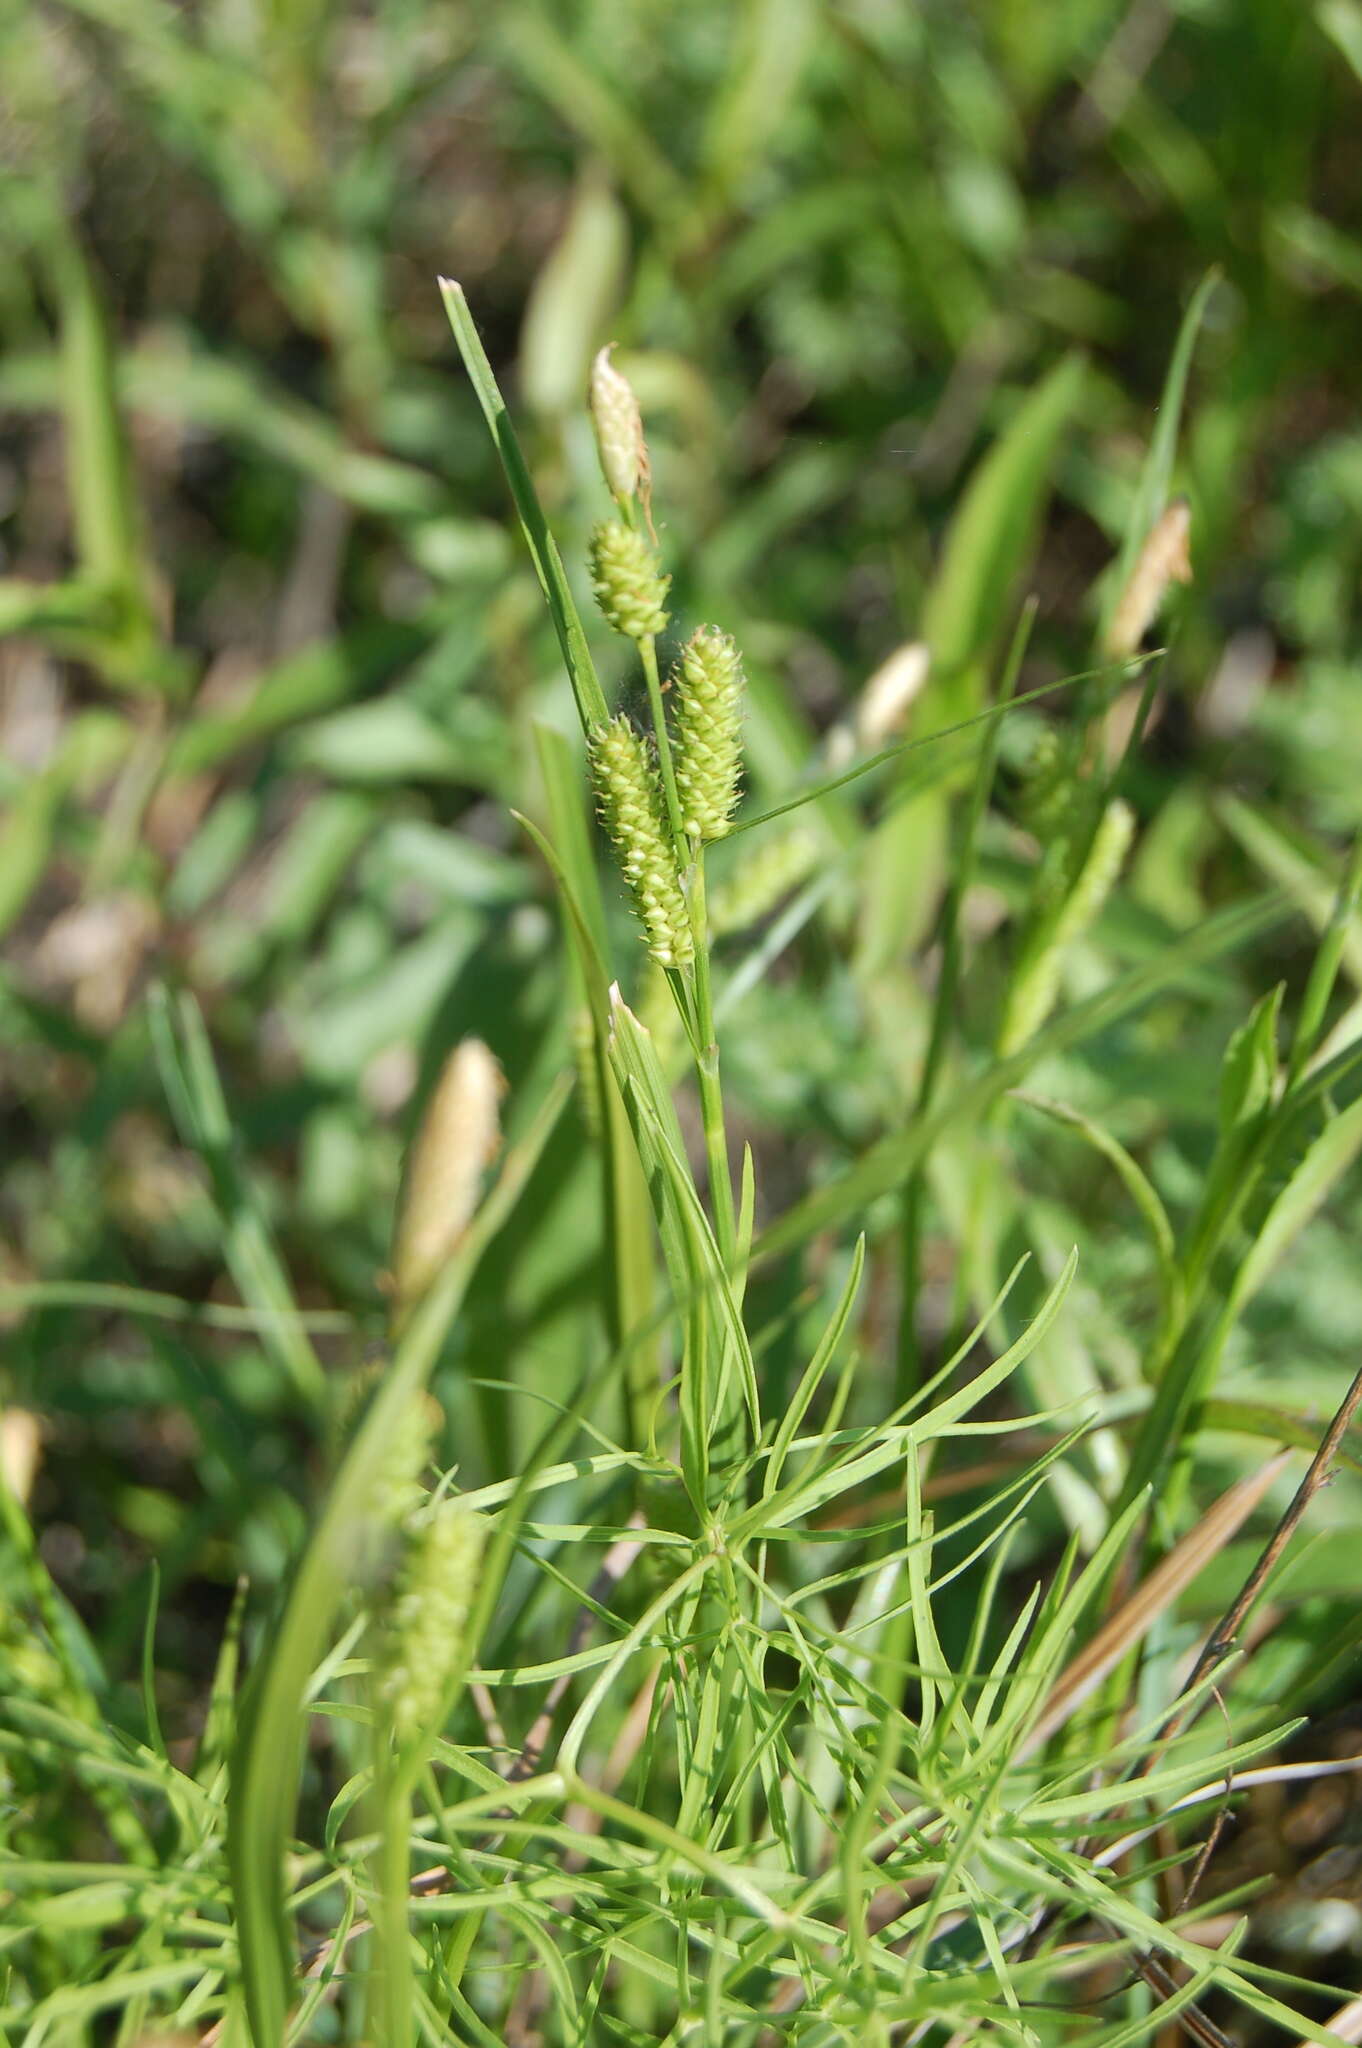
(899, 289)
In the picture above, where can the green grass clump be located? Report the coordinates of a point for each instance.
(659, 1300)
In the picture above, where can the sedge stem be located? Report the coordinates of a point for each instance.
(707, 1073)
(648, 650)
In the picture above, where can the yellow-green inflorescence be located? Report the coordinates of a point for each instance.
(424, 1636)
(629, 792)
(396, 1485)
(627, 581)
(707, 685)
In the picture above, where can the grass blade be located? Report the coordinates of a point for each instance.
(586, 689)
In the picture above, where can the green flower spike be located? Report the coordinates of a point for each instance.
(629, 586)
(424, 1638)
(629, 792)
(707, 736)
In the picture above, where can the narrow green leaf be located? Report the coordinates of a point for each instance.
(27, 833)
(217, 1724)
(1271, 1424)
(629, 1245)
(169, 377)
(937, 1421)
(190, 1079)
(266, 1753)
(1151, 493)
(992, 532)
(1249, 1070)
(812, 1378)
(574, 299)
(1163, 1785)
(64, 611)
(320, 676)
(591, 707)
(1288, 859)
(712, 1400)
(97, 458)
(771, 47)
(1135, 1182)
(1324, 1164)
(872, 1452)
(581, 97)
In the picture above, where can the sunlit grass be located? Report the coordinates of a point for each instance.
(867, 1346)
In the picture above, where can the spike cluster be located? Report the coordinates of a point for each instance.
(629, 792)
(700, 742)
(707, 686)
(424, 1636)
(395, 1489)
(627, 581)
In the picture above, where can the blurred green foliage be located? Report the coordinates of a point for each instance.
(273, 653)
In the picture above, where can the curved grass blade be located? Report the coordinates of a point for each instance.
(266, 1752)
(591, 708)
(992, 531)
(1151, 493)
(1134, 1180)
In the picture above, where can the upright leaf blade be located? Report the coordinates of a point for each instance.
(629, 1247)
(543, 548)
(991, 535)
(1151, 493)
(265, 1755)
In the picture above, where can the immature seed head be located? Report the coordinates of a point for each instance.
(627, 580)
(889, 693)
(629, 793)
(1164, 559)
(424, 1638)
(458, 1136)
(618, 426)
(21, 1443)
(758, 883)
(707, 686)
(395, 1488)
(1045, 798)
(1097, 877)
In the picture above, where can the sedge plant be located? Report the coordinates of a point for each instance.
(779, 1626)
(722, 1715)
